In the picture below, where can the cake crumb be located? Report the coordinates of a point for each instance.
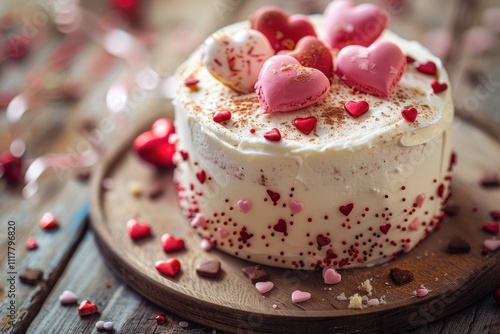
(355, 302)
(382, 300)
(135, 188)
(366, 286)
(342, 297)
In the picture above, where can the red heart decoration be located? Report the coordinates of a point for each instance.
(48, 221)
(410, 114)
(11, 168)
(244, 235)
(168, 267)
(222, 116)
(427, 68)
(385, 228)
(138, 230)
(273, 135)
(346, 209)
(184, 155)
(330, 254)
(153, 146)
(87, 308)
(305, 125)
(495, 214)
(311, 52)
(322, 240)
(356, 108)
(438, 87)
(275, 197)
(201, 176)
(280, 226)
(282, 31)
(171, 244)
(161, 318)
(346, 23)
(31, 243)
(492, 227)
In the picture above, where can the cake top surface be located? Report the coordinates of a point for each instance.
(335, 129)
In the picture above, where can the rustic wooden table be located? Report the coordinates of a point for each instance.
(465, 33)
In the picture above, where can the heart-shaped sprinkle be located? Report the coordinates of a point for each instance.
(138, 230)
(48, 221)
(206, 244)
(414, 225)
(222, 116)
(12, 168)
(408, 247)
(285, 85)
(199, 220)
(275, 197)
(400, 276)
(31, 243)
(422, 292)
(492, 227)
(273, 135)
(295, 206)
(458, 246)
(223, 233)
(385, 228)
(201, 176)
(244, 235)
(438, 87)
(168, 267)
(322, 240)
(184, 155)
(87, 308)
(300, 296)
(305, 125)
(236, 60)
(410, 60)
(210, 269)
(346, 209)
(492, 244)
(311, 52)
(346, 23)
(264, 287)
(161, 318)
(495, 215)
(330, 254)
(244, 205)
(420, 200)
(427, 68)
(255, 273)
(280, 226)
(375, 70)
(282, 31)
(153, 146)
(356, 108)
(410, 114)
(171, 244)
(68, 297)
(330, 276)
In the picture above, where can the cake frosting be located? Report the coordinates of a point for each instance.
(349, 192)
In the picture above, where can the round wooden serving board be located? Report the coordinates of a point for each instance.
(233, 304)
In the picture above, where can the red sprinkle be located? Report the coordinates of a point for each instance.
(201, 176)
(409, 60)
(48, 221)
(161, 318)
(346, 209)
(305, 125)
(427, 68)
(385, 228)
(191, 82)
(275, 197)
(439, 87)
(222, 116)
(273, 135)
(356, 108)
(410, 114)
(31, 244)
(492, 227)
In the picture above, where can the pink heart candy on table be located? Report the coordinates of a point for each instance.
(68, 297)
(282, 31)
(264, 287)
(330, 276)
(244, 205)
(492, 244)
(285, 85)
(300, 296)
(235, 60)
(375, 70)
(348, 24)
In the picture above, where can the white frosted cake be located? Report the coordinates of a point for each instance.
(354, 191)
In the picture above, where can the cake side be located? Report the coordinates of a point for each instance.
(354, 192)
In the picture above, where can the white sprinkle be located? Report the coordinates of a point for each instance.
(275, 306)
(382, 300)
(373, 302)
(183, 324)
(108, 325)
(342, 297)
(99, 324)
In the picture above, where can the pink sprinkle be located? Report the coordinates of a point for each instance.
(414, 224)
(422, 292)
(300, 296)
(408, 247)
(420, 200)
(206, 244)
(264, 287)
(191, 81)
(199, 220)
(275, 306)
(31, 243)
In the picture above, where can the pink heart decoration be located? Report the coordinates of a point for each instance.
(295, 206)
(311, 52)
(244, 205)
(199, 220)
(236, 60)
(375, 70)
(168, 267)
(415, 223)
(170, 243)
(31, 243)
(206, 244)
(330, 276)
(300, 296)
(346, 23)
(48, 221)
(282, 31)
(492, 244)
(410, 114)
(492, 227)
(223, 233)
(138, 230)
(285, 85)
(420, 200)
(264, 287)
(68, 297)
